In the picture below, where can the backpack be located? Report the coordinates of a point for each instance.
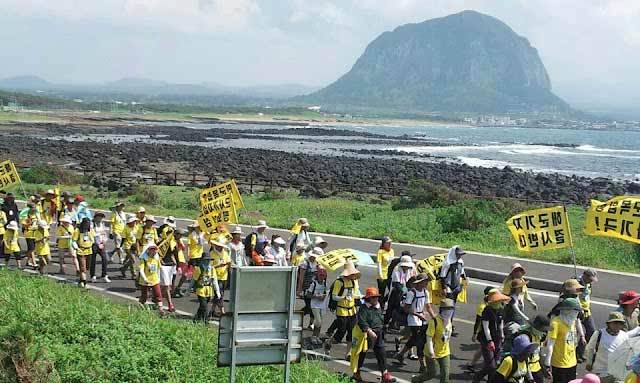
(292, 244)
(160, 229)
(595, 352)
(333, 304)
(404, 305)
(392, 265)
(514, 369)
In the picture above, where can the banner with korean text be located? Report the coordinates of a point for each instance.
(8, 174)
(224, 189)
(619, 218)
(541, 229)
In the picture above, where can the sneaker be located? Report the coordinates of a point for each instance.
(122, 271)
(106, 279)
(356, 378)
(327, 345)
(94, 279)
(172, 308)
(413, 357)
(397, 341)
(387, 378)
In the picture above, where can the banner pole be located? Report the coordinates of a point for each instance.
(23, 191)
(571, 249)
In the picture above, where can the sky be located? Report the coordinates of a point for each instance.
(591, 48)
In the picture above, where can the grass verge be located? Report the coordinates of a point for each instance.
(57, 333)
(474, 224)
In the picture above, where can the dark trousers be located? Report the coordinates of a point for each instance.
(563, 375)
(394, 299)
(538, 377)
(378, 350)
(345, 326)
(2, 246)
(103, 259)
(418, 339)
(382, 286)
(333, 327)
(307, 308)
(203, 309)
(489, 365)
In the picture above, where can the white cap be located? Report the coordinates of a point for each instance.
(280, 241)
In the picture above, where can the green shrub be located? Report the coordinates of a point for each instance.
(423, 193)
(146, 194)
(49, 174)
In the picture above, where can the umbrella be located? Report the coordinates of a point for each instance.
(619, 359)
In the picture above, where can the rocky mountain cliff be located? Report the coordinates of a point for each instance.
(466, 62)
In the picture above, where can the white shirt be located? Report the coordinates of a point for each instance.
(608, 344)
(102, 233)
(237, 254)
(418, 300)
(400, 276)
(303, 240)
(279, 255)
(317, 288)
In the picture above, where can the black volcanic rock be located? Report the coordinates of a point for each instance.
(466, 62)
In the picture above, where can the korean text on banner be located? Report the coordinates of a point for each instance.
(8, 174)
(216, 212)
(619, 218)
(164, 246)
(228, 188)
(335, 259)
(541, 229)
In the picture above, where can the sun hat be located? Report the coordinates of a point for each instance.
(571, 304)
(487, 290)
(70, 200)
(517, 266)
(118, 204)
(132, 220)
(371, 292)
(518, 282)
(51, 192)
(303, 222)
(181, 232)
(236, 230)
(630, 297)
(141, 209)
(170, 221)
(317, 251)
(79, 198)
(496, 296)
(99, 214)
(262, 224)
(219, 241)
(385, 239)
(349, 269)
(150, 218)
(300, 248)
(13, 225)
(540, 323)
(280, 241)
(318, 240)
(572, 286)
(43, 224)
(422, 277)
(406, 261)
(616, 316)
(592, 274)
(522, 344)
(589, 378)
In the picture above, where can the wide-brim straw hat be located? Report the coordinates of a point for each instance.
(117, 204)
(349, 269)
(371, 292)
(318, 240)
(280, 241)
(303, 222)
(236, 230)
(141, 209)
(13, 225)
(150, 218)
(262, 224)
(496, 296)
(572, 285)
(132, 220)
(219, 241)
(616, 316)
(406, 261)
(420, 278)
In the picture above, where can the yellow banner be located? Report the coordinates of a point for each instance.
(8, 174)
(164, 246)
(431, 265)
(335, 259)
(541, 229)
(217, 212)
(295, 229)
(224, 189)
(619, 218)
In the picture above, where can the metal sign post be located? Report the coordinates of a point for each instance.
(261, 326)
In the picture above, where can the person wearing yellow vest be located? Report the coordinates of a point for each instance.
(130, 246)
(83, 239)
(3, 223)
(385, 255)
(11, 244)
(149, 275)
(42, 249)
(168, 268)
(514, 367)
(221, 262)
(50, 207)
(368, 333)
(562, 342)
(148, 234)
(141, 215)
(344, 292)
(436, 347)
(118, 223)
(196, 243)
(206, 287)
(64, 236)
(29, 226)
(536, 330)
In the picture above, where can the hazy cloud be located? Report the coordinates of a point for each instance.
(590, 47)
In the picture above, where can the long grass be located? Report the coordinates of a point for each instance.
(474, 224)
(81, 337)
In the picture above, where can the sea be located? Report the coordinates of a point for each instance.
(590, 153)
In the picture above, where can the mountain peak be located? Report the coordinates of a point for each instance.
(24, 82)
(465, 62)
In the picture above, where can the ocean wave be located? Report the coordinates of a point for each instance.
(591, 148)
(484, 163)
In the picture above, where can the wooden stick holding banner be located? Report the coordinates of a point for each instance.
(571, 248)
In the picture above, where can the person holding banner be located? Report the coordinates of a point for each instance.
(221, 262)
(452, 273)
(306, 273)
(588, 278)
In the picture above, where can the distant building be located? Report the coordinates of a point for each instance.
(315, 108)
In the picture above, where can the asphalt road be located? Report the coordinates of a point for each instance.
(462, 347)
